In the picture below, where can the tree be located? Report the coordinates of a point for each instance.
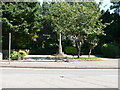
(77, 20)
(23, 20)
(85, 21)
(116, 7)
(115, 26)
(59, 13)
(112, 31)
(93, 42)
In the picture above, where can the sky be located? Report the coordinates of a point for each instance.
(106, 4)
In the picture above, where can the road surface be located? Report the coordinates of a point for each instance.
(59, 78)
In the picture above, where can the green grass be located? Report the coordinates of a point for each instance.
(94, 58)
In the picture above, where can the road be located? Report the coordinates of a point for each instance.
(59, 78)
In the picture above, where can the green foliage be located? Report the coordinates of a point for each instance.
(70, 50)
(35, 27)
(15, 55)
(77, 20)
(22, 54)
(22, 20)
(59, 13)
(116, 7)
(86, 19)
(110, 50)
(92, 41)
(44, 51)
(112, 31)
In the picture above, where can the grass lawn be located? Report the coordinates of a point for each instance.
(83, 59)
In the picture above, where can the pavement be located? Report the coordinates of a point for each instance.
(108, 64)
(101, 63)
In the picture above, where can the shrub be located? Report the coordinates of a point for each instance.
(110, 50)
(15, 55)
(22, 54)
(70, 50)
(46, 51)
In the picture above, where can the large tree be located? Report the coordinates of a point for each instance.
(112, 31)
(85, 22)
(77, 20)
(59, 13)
(22, 19)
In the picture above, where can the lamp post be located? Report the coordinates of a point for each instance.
(9, 46)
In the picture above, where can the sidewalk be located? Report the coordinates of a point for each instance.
(48, 61)
(104, 64)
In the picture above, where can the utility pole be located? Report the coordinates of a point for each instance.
(9, 46)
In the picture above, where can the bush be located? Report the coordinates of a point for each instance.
(22, 54)
(15, 55)
(110, 50)
(45, 51)
(70, 50)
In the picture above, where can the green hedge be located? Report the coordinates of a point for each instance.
(70, 50)
(110, 50)
(43, 51)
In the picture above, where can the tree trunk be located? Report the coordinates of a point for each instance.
(60, 45)
(79, 44)
(89, 53)
(60, 53)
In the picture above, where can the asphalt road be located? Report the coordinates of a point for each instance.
(59, 78)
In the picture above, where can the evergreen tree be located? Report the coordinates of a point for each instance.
(23, 20)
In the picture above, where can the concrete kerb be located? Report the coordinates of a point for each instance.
(60, 67)
(63, 65)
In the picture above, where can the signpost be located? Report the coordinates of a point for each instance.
(9, 46)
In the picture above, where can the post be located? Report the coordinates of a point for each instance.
(9, 46)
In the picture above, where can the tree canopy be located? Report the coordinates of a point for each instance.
(76, 24)
(77, 19)
(22, 19)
